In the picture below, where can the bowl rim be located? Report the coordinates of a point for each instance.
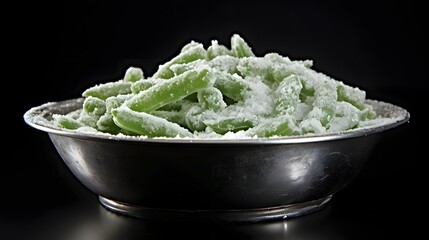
(403, 117)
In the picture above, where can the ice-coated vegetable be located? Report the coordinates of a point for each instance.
(189, 54)
(133, 74)
(147, 124)
(94, 106)
(66, 122)
(211, 98)
(172, 90)
(221, 92)
(103, 91)
(240, 48)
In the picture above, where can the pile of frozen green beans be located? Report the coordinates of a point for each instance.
(218, 92)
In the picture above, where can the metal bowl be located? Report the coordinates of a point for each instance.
(209, 179)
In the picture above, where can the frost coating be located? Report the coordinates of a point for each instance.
(222, 93)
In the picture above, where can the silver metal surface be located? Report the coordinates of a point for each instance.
(247, 215)
(136, 176)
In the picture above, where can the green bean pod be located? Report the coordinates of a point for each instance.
(193, 118)
(346, 117)
(352, 95)
(147, 124)
(116, 101)
(170, 91)
(278, 126)
(253, 66)
(133, 74)
(103, 91)
(216, 50)
(232, 86)
(189, 46)
(191, 54)
(173, 106)
(225, 63)
(180, 68)
(66, 122)
(231, 124)
(325, 98)
(240, 48)
(286, 96)
(306, 91)
(106, 124)
(94, 106)
(88, 120)
(142, 85)
(171, 116)
(211, 98)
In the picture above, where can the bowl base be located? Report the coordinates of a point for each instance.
(241, 215)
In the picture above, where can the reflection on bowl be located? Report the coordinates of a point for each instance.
(212, 179)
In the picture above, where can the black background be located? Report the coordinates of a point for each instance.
(379, 47)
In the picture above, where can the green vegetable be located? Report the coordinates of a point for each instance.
(209, 93)
(240, 48)
(211, 98)
(216, 50)
(232, 86)
(147, 124)
(94, 106)
(279, 126)
(229, 125)
(133, 74)
(190, 54)
(172, 90)
(66, 122)
(103, 91)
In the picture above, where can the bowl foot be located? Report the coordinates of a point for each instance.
(242, 215)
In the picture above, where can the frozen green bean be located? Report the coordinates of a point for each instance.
(146, 124)
(116, 101)
(172, 116)
(106, 124)
(133, 74)
(225, 63)
(231, 124)
(286, 96)
(351, 95)
(240, 48)
(103, 91)
(346, 117)
(216, 91)
(142, 85)
(211, 98)
(232, 86)
(190, 45)
(216, 50)
(325, 98)
(256, 67)
(190, 54)
(88, 120)
(170, 91)
(306, 91)
(66, 122)
(184, 67)
(94, 106)
(173, 106)
(193, 118)
(279, 126)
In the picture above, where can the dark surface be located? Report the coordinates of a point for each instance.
(379, 47)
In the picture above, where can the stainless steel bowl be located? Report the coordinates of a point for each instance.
(217, 180)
